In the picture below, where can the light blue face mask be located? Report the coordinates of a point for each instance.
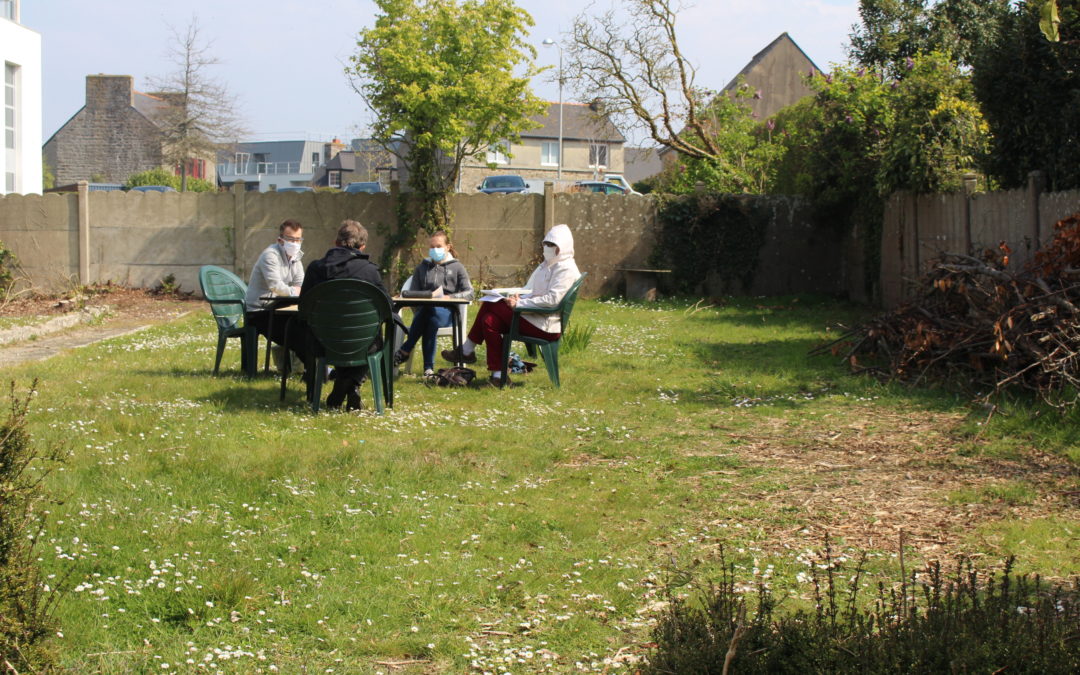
(437, 254)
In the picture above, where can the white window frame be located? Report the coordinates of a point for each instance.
(549, 153)
(11, 144)
(599, 151)
(333, 179)
(497, 153)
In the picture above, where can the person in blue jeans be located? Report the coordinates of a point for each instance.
(440, 271)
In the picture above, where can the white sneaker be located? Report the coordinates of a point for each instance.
(429, 372)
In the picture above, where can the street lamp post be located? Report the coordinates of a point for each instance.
(549, 43)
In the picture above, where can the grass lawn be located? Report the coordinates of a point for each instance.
(205, 526)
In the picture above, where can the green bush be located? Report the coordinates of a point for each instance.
(26, 603)
(928, 623)
(8, 261)
(161, 176)
(710, 233)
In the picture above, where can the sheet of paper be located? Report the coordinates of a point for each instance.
(496, 294)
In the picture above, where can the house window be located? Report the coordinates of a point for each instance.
(241, 161)
(597, 156)
(333, 179)
(7, 9)
(549, 154)
(11, 158)
(496, 154)
(314, 161)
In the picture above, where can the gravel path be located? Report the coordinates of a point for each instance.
(42, 348)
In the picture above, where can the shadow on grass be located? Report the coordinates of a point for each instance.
(782, 372)
(240, 397)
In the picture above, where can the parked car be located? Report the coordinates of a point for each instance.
(600, 187)
(153, 188)
(298, 188)
(502, 184)
(370, 187)
(617, 179)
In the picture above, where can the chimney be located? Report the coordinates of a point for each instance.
(331, 149)
(109, 92)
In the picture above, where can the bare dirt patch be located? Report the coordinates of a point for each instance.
(123, 303)
(126, 310)
(877, 474)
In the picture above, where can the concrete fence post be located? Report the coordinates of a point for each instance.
(83, 205)
(239, 233)
(549, 205)
(1035, 187)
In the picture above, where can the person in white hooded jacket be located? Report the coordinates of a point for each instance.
(547, 286)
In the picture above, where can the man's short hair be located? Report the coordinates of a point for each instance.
(352, 234)
(289, 225)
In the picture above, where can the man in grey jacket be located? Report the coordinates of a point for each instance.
(277, 273)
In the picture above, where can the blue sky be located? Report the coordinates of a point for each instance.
(283, 59)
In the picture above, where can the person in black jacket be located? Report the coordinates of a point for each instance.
(346, 260)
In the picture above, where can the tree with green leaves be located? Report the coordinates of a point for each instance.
(891, 32)
(199, 117)
(446, 80)
(745, 151)
(1029, 89)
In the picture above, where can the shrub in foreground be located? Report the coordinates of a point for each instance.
(931, 622)
(25, 601)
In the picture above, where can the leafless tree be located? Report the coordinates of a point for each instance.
(198, 115)
(632, 63)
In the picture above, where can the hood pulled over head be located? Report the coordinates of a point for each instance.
(561, 237)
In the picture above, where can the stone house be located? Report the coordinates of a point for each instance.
(591, 147)
(114, 135)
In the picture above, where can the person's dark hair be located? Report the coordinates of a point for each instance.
(289, 225)
(446, 238)
(352, 234)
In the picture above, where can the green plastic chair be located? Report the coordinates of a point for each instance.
(225, 292)
(345, 317)
(548, 350)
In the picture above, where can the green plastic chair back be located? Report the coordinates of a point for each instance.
(346, 317)
(549, 350)
(225, 292)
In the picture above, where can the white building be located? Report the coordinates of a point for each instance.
(20, 52)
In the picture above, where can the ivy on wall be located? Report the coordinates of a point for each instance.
(703, 235)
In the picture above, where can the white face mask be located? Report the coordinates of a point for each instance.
(549, 253)
(291, 248)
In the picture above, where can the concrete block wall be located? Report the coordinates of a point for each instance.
(141, 238)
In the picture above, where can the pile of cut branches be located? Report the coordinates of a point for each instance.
(977, 323)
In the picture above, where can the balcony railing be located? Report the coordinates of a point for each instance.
(257, 168)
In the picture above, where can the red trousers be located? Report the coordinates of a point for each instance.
(492, 322)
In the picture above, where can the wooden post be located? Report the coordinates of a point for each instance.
(83, 205)
(549, 206)
(917, 244)
(239, 234)
(970, 183)
(1036, 184)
